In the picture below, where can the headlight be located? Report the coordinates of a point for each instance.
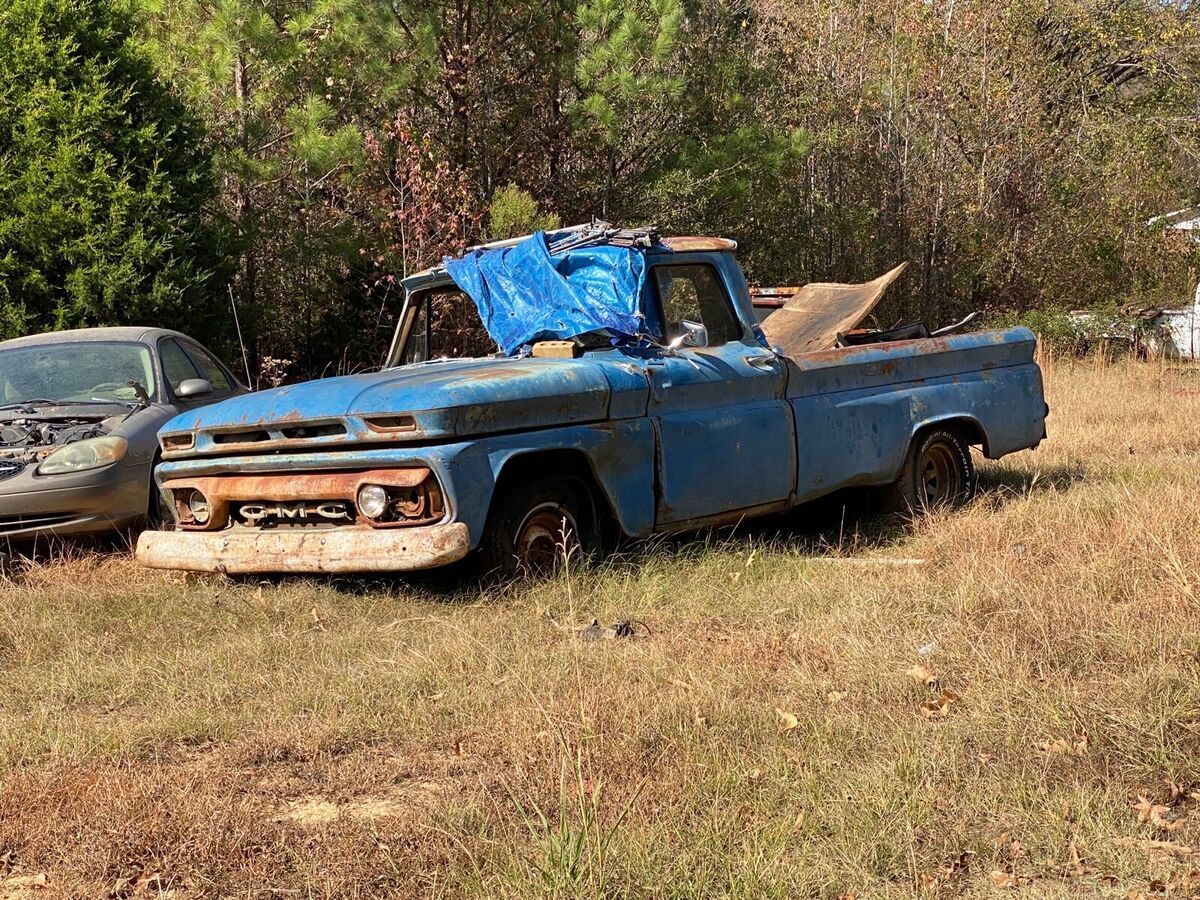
(372, 500)
(199, 508)
(82, 455)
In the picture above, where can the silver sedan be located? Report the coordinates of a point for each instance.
(79, 417)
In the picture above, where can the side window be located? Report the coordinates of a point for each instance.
(175, 363)
(694, 293)
(210, 369)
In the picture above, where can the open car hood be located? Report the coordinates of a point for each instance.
(817, 313)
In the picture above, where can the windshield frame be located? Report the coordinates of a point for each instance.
(154, 389)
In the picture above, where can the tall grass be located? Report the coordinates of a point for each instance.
(767, 738)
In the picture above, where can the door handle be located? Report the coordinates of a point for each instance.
(760, 361)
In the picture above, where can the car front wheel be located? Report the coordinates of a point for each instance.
(534, 528)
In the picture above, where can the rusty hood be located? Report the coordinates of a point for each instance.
(451, 398)
(814, 317)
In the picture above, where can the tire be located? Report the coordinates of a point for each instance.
(938, 474)
(534, 527)
(158, 516)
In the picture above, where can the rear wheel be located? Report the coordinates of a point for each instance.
(534, 527)
(938, 474)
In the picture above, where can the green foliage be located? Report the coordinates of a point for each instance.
(627, 48)
(104, 180)
(1011, 153)
(514, 212)
(1055, 325)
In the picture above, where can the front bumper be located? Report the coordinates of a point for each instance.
(344, 549)
(84, 503)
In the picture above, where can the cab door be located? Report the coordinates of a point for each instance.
(726, 437)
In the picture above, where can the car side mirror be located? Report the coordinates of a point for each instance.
(190, 388)
(693, 335)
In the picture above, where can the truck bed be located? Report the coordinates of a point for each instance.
(856, 408)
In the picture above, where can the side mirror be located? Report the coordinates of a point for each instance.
(190, 388)
(693, 334)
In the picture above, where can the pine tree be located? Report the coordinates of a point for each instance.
(104, 180)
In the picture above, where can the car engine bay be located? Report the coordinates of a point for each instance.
(30, 439)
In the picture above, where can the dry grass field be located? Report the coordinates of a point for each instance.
(1004, 701)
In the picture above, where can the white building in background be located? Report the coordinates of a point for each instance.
(1175, 333)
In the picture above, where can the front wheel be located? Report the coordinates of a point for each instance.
(938, 473)
(158, 514)
(534, 527)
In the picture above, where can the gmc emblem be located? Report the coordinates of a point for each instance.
(257, 512)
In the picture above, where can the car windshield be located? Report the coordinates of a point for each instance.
(447, 326)
(83, 371)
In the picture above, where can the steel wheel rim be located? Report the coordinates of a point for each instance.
(939, 476)
(546, 535)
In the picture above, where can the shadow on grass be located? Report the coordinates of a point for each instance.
(846, 522)
(1004, 484)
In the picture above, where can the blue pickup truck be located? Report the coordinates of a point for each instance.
(556, 392)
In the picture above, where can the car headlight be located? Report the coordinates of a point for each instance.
(372, 500)
(83, 455)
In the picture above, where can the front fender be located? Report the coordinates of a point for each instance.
(620, 454)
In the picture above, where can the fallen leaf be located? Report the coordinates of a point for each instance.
(939, 708)
(318, 619)
(923, 676)
(1158, 820)
(1002, 879)
(1147, 810)
(1063, 746)
(790, 722)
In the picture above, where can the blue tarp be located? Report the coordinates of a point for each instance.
(524, 294)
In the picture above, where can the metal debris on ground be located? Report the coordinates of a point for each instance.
(626, 628)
